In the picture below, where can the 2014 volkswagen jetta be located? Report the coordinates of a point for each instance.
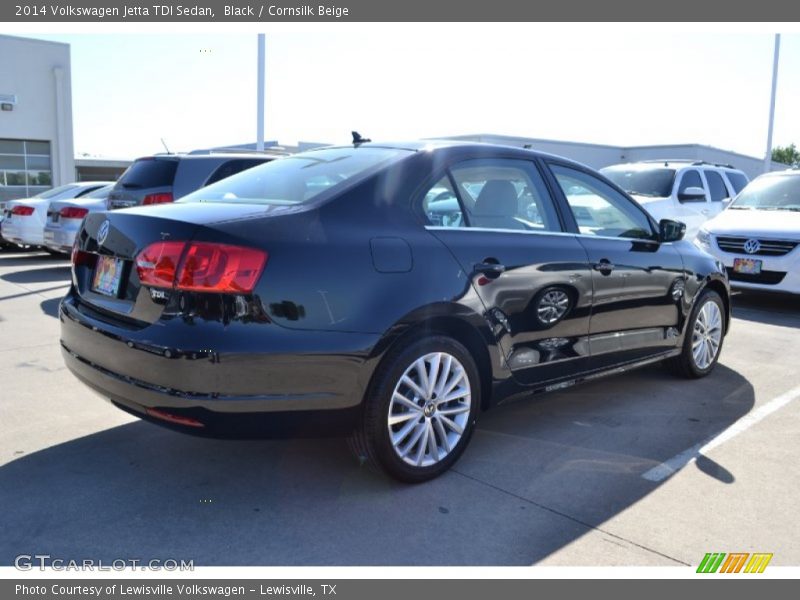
(385, 292)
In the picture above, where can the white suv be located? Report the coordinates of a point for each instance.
(682, 190)
(758, 237)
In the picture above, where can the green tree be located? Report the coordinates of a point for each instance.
(788, 155)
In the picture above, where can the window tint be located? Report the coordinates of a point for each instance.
(505, 194)
(716, 187)
(690, 179)
(299, 177)
(441, 206)
(231, 167)
(598, 208)
(149, 172)
(738, 180)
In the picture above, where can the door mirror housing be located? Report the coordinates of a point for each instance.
(671, 231)
(692, 194)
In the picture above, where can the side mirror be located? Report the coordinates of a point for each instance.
(693, 194)
(671, 231)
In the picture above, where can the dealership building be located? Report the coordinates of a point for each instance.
(37, 152)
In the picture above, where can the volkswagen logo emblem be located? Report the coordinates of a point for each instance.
(752, 246)
(102, 233)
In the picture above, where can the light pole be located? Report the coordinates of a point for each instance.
(260, 94)
(768, 156)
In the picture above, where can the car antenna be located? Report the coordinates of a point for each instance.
(163, 143)
(357, 139)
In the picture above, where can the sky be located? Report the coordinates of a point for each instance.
(620, 87)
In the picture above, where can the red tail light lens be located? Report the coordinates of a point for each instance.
(73, 212)
(162, 198)
(201, 267)
(220, 268)
(22, 211)
(157, 265)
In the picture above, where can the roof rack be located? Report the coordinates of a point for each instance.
(694, 163)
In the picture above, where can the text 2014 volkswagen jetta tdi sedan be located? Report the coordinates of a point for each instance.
(386, 292)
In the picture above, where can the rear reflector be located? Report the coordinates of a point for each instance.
(162, 198)
(201, 267)
(165, 416)
(22, 211)
(73, 212)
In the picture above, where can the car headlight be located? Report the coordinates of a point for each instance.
(703, 238)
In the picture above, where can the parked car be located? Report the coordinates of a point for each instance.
(25, 219)
(166, 177)
(688, 191)
(386, 292)
(64, 218)
(757, 237)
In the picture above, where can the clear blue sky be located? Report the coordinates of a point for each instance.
(393, 82)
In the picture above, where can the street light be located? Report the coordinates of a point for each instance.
(768, 157)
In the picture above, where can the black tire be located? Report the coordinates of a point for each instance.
(684, 365)
(371, 442)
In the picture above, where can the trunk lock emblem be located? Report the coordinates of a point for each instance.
(102, 233)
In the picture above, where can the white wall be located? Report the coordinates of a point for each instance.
(38, 73)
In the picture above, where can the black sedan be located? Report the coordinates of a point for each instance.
(385, 292)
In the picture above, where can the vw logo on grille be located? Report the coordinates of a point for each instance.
(102, 233)
(752, 246)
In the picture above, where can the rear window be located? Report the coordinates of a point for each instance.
(738, 180)
(149, 173)
(57, 191)
(297, 178)
(231, 167)
(100, 192)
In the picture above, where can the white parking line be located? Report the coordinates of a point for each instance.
(668, 467)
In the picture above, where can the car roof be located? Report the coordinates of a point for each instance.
(214, 155)
(437, 144)
(786, 172)
(677, 163)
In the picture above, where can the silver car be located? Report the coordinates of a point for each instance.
(64, 218)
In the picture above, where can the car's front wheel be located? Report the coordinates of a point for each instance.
(421, 409)
(705, 333)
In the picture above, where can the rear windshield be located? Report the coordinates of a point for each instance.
(149, 173)
(57, 191)
(297, 178)
(656, 182)
(100, 192)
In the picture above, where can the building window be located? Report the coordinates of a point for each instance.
(25, 168)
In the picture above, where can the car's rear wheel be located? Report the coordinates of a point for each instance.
(421, 409)
(705, 334)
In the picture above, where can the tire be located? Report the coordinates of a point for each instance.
(708, 314)
(418, 415)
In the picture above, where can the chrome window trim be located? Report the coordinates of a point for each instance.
(546, 232)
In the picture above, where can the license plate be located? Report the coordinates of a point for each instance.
(107, 276)
(747, 266)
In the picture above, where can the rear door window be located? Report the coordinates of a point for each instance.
(505, 194)
(716, 187)
(149, 173)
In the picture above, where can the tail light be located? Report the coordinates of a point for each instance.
(201, 266)
(79, 257)
(73, 212)
(22, 211)
(161, 198)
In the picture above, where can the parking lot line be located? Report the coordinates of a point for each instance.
(674, 464)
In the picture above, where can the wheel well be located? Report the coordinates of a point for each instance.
(719, 287)
(466, 334)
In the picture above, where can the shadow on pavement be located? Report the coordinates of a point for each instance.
(771, 309)
(538, 475)
(59, 273)
(30, 259)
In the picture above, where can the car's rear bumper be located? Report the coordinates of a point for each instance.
(295, 385)
(20, 234)
(59, 239)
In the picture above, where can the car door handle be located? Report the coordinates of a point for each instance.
(490, 268)
(605, 266)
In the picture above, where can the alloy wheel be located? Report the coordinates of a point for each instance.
(707, 335)
(429, 409)
(552, 306)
